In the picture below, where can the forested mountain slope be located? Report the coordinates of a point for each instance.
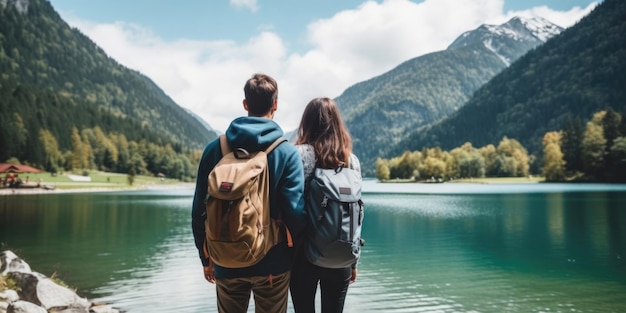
(55, 78)
(380, 112)
(575, 74)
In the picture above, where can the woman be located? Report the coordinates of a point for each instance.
(323, 141)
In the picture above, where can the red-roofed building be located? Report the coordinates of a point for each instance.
(16, 168)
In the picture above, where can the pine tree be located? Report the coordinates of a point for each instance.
(571, 144)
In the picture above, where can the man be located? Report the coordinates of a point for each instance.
(269, 278)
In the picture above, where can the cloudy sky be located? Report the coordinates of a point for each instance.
(201, 52)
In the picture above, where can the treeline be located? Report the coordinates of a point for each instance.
(593, 152)
(596, 152)
(508, 159)
(38, 128)
(577, 73)
(91, 148)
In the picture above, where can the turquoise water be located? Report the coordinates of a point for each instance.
(429, 248)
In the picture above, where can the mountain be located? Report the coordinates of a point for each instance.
(380, 112)
(573, 75)
(55, 78)
(506, 40)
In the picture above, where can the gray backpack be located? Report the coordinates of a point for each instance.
(335, 210)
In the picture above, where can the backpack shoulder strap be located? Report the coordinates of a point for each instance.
(275, 144)
(224, 145)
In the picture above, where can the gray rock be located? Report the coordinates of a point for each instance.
(25, 307)
(103, 308)
(42, 291)
(68, 310)
(9, 262)
(38, 294)
(9, 296)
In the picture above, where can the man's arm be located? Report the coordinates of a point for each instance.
(291, 187)
(209, 158)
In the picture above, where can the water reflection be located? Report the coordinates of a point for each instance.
(483, 252)
(492, 251)
(93, 237)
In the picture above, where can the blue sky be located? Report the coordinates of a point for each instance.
(201, 52)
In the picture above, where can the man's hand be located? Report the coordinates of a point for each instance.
(209, 274)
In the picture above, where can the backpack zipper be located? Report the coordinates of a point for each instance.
(227, 219)
(324, 205)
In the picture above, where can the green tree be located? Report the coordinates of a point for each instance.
(622, 125)
(515, 160)
(382, 169)
(553, 164)
(433, 167)
(571, 144)
(593, 147)
(105, 152)
(131, 176)
(67, 160)
(89, 139)
(489, 154)
(78, 157)
(402, 167)
(467, 162)
(177, 168)
(611, 127)
(21, 133)
(121, 144)
(14, 134)
(618, 154)
(453, 163)
(53, 157)
(137, 165)
(504, 166)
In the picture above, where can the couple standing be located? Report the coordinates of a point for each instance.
(323, 141)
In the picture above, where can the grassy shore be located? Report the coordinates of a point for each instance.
(502, 180)
(105, 181)
(98, 181)
(484, 180)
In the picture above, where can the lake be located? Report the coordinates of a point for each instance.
(429, 248)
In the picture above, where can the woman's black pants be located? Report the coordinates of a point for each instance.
(333, 284)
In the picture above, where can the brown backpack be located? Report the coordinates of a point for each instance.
(239, 229)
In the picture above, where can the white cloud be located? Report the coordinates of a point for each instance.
(245, 4)
(351, 46)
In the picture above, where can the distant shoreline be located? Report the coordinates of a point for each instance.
(38, 191)
(485, 180)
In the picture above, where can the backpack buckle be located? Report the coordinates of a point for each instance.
(324, 202)
(241, 153)
(340, 167)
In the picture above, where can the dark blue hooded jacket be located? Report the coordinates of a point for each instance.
(286, 191)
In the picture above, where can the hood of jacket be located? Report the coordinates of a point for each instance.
(252, 133)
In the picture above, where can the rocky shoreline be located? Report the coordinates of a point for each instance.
(25, 291)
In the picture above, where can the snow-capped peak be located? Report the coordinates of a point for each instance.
(502, 39)
(538, 27)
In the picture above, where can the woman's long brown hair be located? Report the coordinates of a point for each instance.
(322, 127)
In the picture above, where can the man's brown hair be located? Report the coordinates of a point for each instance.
(261, 91)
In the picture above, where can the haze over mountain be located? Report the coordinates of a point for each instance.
(573, 75)
(380, 112)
